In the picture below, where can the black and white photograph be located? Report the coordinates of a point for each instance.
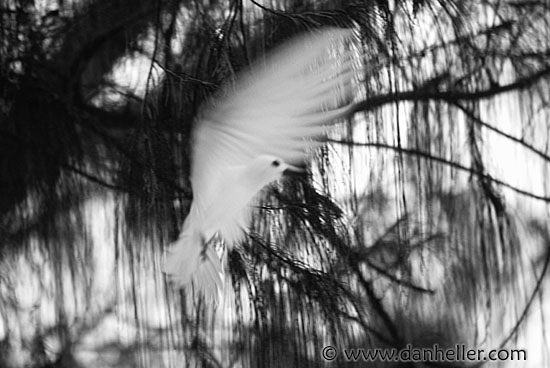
(274, 183)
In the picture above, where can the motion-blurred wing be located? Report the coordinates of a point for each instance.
(276, 107)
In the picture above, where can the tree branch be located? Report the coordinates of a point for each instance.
(521, 142)
(441, 160)
(13, 139)
(449, 96)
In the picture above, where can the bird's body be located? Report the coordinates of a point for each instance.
(246, 139)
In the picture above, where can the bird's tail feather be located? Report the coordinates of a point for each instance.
(190, 262)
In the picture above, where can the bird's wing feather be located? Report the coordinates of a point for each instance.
(276, 108)
(190, 261)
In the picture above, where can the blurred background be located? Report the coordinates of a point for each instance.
(423, 220)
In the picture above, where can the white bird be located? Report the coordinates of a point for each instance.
(248, 137)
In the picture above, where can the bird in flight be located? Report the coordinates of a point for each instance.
(250, 135)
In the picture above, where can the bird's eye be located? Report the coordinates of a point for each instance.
(275, 163)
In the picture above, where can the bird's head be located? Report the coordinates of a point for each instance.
(267, 168)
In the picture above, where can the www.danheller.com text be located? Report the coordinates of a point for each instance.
(433, 354)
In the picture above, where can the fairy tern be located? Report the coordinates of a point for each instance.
(250, 135)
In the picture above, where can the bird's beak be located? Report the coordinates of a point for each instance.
(292, 170)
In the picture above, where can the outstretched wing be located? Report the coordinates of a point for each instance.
(277, 107)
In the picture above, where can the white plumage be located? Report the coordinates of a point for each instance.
(247, 137)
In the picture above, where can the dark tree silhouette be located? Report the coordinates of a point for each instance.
(422, 221)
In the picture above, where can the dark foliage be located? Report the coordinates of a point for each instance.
(407, 229)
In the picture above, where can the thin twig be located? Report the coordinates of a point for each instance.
(476, 119)
(452, 164)
(450, 96)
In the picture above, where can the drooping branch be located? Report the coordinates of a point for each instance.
(441, 160)
(433, 94)
(536, 290)
(490, 127)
